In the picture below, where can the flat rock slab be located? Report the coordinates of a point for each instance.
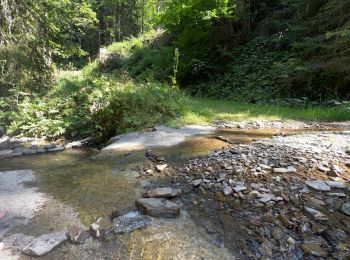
(318, 185)
(17, 241)
(162, 137)
(166, 192)
(316, 214)
(156, 207)
(45, 243)
(129, 222)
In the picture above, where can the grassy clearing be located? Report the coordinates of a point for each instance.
(204, 110)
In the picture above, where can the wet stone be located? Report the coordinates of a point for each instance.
(45, 243)
(5, 154)
(166, 192)
(56, 149)
(77, 235)
(313, 249)
(318, 185)
(129, 222)
(157, 207)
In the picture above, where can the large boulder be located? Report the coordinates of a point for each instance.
(157, 207)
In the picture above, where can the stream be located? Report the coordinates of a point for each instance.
(83, 185)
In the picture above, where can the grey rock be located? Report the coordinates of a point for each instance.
(316, 214)
(40, 150)
(227, 190)
(29, 151)
(56, 149)
(166, 192)
(346, 208)
(156, 207)
(318, 185)
(239, 188)
(129, 222)
(336, 184)
(45, 243)
(196, 183)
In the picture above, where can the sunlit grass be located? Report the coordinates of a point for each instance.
(204, 110)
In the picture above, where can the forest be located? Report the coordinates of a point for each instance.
(78, 68)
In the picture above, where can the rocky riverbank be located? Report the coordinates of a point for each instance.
(284, 198)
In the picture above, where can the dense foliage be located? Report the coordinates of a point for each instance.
(143, 50)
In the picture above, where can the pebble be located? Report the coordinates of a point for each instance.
(313, 249)
(280, 170)
(318, 185)
(227, 190)
(196, 183)
(161, 167)
(239, 188)
(323, 169)
(316, 214)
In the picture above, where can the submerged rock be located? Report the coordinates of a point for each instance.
(129, 222)
(5, 154)
(45, 243)
(318, 185)
(166, 192)
(158, 207)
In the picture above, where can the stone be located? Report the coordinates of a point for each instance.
(45, 243)
(291, 169)
(316, 214)
(336, 184)
(29, 151)
(313, 249)
(100, 227)
(280, 170)
(5, 154)
(166, 192)
(318, 185)
(149, 171)
(129, 222)
(266, 248)
(161, 167)
(157, 207)
(336, 169)
(239, 188)
(265, 197)
(347, 164)
(227, 190)
(56, 149)
(196, 183)
(346, 208)
(323, 169)
(337, 194)
(40, 150)
(77, 235)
